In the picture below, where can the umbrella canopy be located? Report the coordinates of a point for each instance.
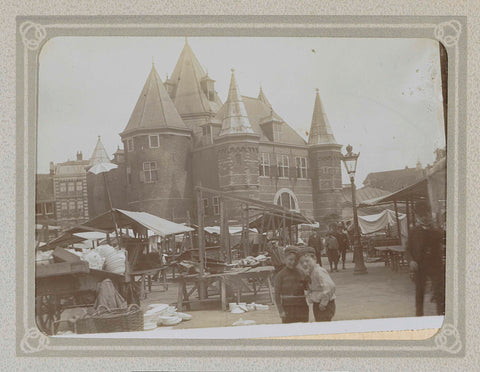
(102, 167)
(135, 220)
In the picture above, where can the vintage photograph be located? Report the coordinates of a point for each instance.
(204, 182)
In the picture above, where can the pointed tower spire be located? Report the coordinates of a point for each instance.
(189, 93)
(235, 120)
(262, 97)
(320, 131)
(99, 154)
(154, 108)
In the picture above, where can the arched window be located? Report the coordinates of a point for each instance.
(286, 198)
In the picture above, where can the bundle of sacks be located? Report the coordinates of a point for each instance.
(94, 259)
(114, 258)
(163, 315)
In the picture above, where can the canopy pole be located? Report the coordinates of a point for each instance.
(408, 213)
(397, 219)
(111, 209)
(201, 233)
(245, 231)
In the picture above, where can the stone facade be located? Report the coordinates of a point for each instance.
(241, 146)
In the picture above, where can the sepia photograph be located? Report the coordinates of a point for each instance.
(275, 185)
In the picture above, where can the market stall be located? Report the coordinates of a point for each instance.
(240, 273)
(432, 188)
(64, 277)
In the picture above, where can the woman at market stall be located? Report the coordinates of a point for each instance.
(290, 290)
(320, 286)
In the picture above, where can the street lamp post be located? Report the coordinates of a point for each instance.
(350, 161)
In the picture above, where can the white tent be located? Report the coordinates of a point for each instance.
(376, 222)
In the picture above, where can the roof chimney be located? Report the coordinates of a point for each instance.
(79, 156)
(52, 168)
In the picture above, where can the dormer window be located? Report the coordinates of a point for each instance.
(277, 131)
(154, 141)
(207, 85)
(130, 144)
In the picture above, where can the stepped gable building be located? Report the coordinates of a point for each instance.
(180, 135)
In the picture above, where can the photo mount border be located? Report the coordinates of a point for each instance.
(34, 31)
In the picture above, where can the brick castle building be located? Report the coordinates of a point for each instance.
(180, 134)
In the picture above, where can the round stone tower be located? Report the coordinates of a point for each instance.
(325, 167)
(238, 157)
(157, 147)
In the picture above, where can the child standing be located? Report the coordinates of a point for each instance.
(290, 290)
(331, 244)
(320, 289)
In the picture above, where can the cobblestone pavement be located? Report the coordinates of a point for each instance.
(381, 293)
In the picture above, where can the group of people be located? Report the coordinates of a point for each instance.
(336, 244)
(301, 282)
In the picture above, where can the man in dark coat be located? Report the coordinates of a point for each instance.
(343, 243)
(315, 242)
(425, 251)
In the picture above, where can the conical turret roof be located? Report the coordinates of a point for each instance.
(154, 108)
(320, 131)
(188, 96)
(235, 119)
(99, 154)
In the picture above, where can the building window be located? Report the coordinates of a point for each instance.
(150, 171)
(283, 165)
(301, 165)
(205, 205)
(154, 141)
(49, 208)
(64, 208)
(129, 175)
(80, 206)
(265, 164)
(207, 134)
(216, 205)
(79, 185)
(63, 187)
(206, 130)
(130, 144)
(39, 209)
(71, 206)
(277, 131)
(287, 199)
(71, 187)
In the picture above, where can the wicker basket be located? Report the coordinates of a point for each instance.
(118, 320)
(84, 324)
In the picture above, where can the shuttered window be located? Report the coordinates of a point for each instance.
(150, 171)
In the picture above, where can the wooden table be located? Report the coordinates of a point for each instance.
(147, 274)
(241, 281)
(393, 255)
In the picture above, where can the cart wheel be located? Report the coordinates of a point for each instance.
(48, 311)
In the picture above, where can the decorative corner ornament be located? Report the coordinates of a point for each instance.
(448, 339)
(32, 34)
(448, 32)
(34, 341)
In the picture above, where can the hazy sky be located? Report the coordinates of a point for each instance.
(383, 96)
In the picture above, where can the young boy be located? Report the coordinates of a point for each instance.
(290, 290)
(320, 289)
